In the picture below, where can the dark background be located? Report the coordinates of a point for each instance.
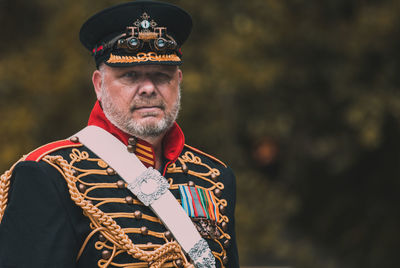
(300, 97)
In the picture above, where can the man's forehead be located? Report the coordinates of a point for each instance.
(146, 68)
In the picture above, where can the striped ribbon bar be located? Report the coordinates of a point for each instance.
(199, 203)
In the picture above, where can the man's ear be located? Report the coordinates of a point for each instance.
(180, 75)
(97, 83)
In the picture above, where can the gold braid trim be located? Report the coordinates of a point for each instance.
(112, 231)
(143, 57)
(5, 187)
(86, 241)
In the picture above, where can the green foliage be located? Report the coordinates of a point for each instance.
(300, 97)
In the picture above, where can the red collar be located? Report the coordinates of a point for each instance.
(173, 141)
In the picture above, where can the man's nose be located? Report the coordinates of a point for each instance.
(147, 87)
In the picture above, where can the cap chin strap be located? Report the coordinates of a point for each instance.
(151, 188)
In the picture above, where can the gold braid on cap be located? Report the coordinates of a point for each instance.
(143, 57)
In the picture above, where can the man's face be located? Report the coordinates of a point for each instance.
(141, 100)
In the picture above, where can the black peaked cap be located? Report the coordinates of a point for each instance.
(113, 21)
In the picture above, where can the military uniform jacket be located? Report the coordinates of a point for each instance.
(63, 206)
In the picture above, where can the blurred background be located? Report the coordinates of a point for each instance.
(300, 97)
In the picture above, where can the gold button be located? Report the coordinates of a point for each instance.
(82, 188)
(102, 238)
(106, 254)
(222, 209)
(74, 139)
(129, 200)
(217, 192)
(74, 172)
(224, 226)
(137, 214)
(185, 169)
(214, 177)
(144, 230)
(225, 260)
(191, 184)
(110, 171)
(131, 148)
(179, 263)
(168, 235)
(120, 184)
(132, 141)
(227, 243)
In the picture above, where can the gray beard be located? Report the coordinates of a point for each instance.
(123, 120)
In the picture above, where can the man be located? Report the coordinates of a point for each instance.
(88, 201)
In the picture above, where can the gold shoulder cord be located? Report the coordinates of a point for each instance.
(5, 187)
(170, 251)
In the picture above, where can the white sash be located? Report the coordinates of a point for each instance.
(151, 188)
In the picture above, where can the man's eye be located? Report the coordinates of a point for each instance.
(130, 75)
(161, 77)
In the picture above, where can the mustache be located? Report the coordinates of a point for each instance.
(146, 102)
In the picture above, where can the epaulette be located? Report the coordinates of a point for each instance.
(205, 154)
(46, 149)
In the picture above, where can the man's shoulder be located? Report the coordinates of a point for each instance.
(40, 160)
(190, 151)
(51, 148)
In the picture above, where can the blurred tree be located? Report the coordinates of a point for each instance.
(300, 97)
